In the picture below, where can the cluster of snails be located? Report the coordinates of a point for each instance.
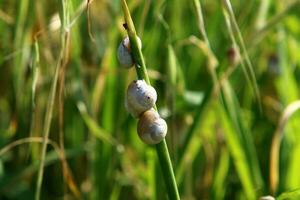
(140, 100)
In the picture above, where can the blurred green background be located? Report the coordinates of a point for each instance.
(228, 89)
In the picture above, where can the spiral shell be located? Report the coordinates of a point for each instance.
(124, 52)
(151, 128)
(140, 97)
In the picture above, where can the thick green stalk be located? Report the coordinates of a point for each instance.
(141, 70)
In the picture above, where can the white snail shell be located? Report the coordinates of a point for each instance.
(131, 110)
(140, 97)
(151, 128)
(124, 52)
(267, 198)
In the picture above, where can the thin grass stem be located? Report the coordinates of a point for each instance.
(50, 106)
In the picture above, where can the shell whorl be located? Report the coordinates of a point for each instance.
(140, 97)
(151, 128)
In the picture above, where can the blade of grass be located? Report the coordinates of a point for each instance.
(143, 17)
(212, 60)
(161, 148)
(50, 106)
(95, 129)
(243, 135)
(262, 32)
(171, 96)
(35, 74)
(230, 106)
(103, 160)
(262, 14)
(288, 91)
(290, 195)
(60, 152)
(236, 150)
(206, 47)
(276, 141)
(199, 112)
(51, 158)
(187, 159)
(151, 176)
(16, 143)
(67, 174)
(212, 64)
(234, 33)
(219, 183)
(19, 43)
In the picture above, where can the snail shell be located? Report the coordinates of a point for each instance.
(151, 128)
(124, 52)
(140, 97)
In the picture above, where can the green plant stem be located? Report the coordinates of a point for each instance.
(46, 131)
(51, 102)
(167, 169)
(235, 32)
(141, 70)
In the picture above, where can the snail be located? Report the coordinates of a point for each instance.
(151, 128)
(124, 52)
(140, 97)
(267, 198)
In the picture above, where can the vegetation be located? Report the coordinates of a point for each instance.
(227, 75)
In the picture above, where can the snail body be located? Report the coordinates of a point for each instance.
(151, 128)
(140, 97)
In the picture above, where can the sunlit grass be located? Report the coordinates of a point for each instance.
(227, 76)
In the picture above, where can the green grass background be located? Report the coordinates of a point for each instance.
(224, 79)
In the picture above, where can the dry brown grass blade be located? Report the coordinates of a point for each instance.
(67, 173)
(89, 2)
(276, 141)
(6, 18)
(15, 143)
(58, 150)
